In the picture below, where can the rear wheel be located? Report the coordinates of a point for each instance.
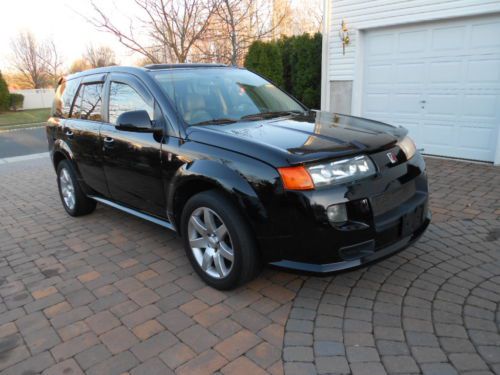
(75, 202)
(218, 241)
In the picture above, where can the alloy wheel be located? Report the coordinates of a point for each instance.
(210, 242)
(67, 189)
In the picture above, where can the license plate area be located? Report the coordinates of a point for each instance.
(390, 200)
(412, 221)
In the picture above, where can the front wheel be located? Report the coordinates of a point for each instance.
(218, 241)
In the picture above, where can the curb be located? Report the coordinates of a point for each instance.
(15, 159)
(13, 128)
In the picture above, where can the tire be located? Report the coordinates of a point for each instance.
(67, 181)
(212, 260)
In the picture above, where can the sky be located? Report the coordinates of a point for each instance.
(62, 21)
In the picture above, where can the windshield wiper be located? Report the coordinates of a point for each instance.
(216, 121)
(266, 115)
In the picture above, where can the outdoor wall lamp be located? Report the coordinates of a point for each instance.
(344, 36)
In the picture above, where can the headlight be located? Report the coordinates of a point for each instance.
(408, 147)
(342, 171)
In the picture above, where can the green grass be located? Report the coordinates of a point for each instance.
(29, 116)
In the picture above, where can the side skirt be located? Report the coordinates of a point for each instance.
(131, 211)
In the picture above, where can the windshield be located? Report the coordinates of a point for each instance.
(223, 95)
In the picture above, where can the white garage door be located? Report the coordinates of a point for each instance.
(440, 80)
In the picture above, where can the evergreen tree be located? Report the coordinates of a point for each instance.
(293, 63)
(4, 94)
(265, 59)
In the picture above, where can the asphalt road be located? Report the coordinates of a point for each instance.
(22, 142)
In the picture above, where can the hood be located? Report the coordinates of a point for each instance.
(300, 139)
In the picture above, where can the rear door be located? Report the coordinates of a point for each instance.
(81, 132)
(131, 160)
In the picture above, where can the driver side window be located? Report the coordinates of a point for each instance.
(123, 98)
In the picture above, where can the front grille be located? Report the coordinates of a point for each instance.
(392, 199)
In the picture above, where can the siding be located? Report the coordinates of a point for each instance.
(366, 14)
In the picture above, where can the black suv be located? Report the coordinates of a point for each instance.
(241, 170)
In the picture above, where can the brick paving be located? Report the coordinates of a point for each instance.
(109, 294)
(433, 309)
(112, 294)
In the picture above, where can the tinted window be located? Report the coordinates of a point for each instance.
(202, 95)
(77, 104)
(91, 102)
(64, 98)
(123, 98)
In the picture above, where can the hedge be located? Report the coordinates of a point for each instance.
(265, 59)
(16, 101)
(293, 63)
(4, 94)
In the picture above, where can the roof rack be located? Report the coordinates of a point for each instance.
(184, 65)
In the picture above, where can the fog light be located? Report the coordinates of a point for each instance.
(337, 213)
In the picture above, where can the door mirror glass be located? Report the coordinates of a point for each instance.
(138, 121)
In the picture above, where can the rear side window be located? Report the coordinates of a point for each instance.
(88, 102)
(64, 98)
(123, 98)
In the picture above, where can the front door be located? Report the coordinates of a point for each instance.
(131, 160)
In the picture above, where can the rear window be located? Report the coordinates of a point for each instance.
(64, 98)
(88, 103)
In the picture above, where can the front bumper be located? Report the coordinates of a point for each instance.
(358, 262)
(386, 214)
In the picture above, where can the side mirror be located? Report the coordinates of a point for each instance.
(135, 121)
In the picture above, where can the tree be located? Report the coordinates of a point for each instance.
(52, 59)
(101, 56)
(27, 59)
(305, 62)
(236, 25)
(39, 63)
(294, 63)
(265, 59)
(297, 17)
(170, 27)
(16, 81)
(4, 94)
(79, 65)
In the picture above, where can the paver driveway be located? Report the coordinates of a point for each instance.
(110, 294)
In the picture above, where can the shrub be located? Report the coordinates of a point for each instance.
(265, 59)
(297, 61)
(4, 94)
(306, 69)
(16, 101)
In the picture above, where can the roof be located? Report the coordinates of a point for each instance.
(141, 70)
(185, 65)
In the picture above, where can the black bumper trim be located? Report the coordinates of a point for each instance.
(326, 268)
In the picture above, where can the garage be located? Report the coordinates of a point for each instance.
(441, 80)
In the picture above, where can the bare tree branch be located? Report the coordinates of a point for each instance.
(26, 59)
(238, 23)
(171, 27)
(49, 54)
(98, 57)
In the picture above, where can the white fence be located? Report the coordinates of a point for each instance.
(37, 98)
